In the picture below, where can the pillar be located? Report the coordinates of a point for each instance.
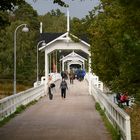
(46, 72)
(56, 61)
(63, 65)
(84, 65)
(50, 63)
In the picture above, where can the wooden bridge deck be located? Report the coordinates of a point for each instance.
(74, 118)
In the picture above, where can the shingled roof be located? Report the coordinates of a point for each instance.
(84, 38)
(48, 37)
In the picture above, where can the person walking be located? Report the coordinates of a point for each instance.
(71, 77)
(49, 88)
(63, 87)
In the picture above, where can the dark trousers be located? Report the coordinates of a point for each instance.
(63, 93)
(50, 94)
(71, 80)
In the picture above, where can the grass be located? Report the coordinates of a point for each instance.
(19, 109)
(114, 133)
(6, 88)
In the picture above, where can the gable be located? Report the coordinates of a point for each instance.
(53, 37)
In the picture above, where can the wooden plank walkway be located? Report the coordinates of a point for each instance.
(74, 118)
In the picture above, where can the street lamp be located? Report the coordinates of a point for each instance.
(24, 29)
(43, 44)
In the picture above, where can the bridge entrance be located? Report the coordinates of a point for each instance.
(75, 66)
(66, 53)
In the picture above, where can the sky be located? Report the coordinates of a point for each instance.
(76, 8)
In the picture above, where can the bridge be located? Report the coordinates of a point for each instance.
(72, 118)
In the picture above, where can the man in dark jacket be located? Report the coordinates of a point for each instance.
(63, 86)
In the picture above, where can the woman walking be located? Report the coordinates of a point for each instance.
(63, 87)
(49, 88)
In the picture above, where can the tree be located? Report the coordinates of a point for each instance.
(6, 6)
(50, 19)
(78, 27)
(115, 45)
(26, 45)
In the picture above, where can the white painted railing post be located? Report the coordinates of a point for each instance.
(128, 128)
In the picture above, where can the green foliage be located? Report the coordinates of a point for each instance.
(4, 19)
(9, 4)
(6, 6)
(26, 45)
(54, 21)
(115, 45)
(26, 42)
(78, 27)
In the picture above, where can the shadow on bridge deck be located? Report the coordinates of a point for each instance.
(74, 118)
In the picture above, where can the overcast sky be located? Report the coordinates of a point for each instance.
(77, 8)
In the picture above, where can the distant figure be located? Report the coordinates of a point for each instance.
(71, 76)
(50, 78)
(64, 75)
(63, 87)
(118, 98)
(80, 74)
(49, 88)
(125, 98)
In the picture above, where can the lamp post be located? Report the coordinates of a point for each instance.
(43, 44)
(25, 29)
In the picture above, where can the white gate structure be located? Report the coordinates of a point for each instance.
(73, 58)
(63, 42)
(74, 62)
(115, 114)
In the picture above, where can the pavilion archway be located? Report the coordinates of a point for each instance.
(64, 42)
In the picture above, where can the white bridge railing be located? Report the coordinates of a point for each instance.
(9, 104)
(116, 115)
